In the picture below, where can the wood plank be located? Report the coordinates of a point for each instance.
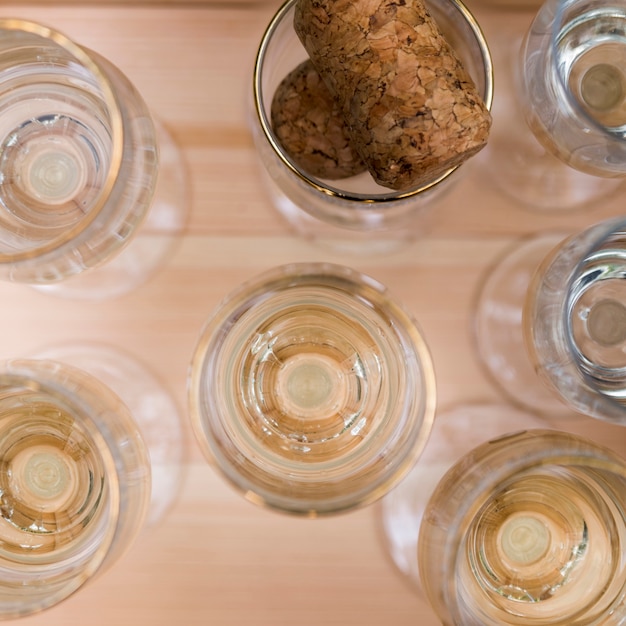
(217, 559)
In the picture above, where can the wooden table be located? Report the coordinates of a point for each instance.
(216, 559)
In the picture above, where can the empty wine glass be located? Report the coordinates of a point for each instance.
(570, 91)
(455, 432)
(311, 389)
(563, 325)
(497, 326)
(75, 482)
(529, 528)
(353, 214)
(575, 320)
(80, 170)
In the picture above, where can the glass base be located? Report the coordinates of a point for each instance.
(150, 246)
(454, 433)
(153, 409)
(531, 176)
(518, 166)
(374, 240)
(498, 330)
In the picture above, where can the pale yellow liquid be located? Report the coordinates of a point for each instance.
(305, 382)
(51, 480)
(547, 547)
(312, 384)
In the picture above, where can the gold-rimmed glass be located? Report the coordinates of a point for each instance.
(75, 482)
(92, 448)
(311, 389)
(528, 528)
(456, 431)
(354, 214)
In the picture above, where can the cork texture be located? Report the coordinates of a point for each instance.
(412, 110)
(309, 126)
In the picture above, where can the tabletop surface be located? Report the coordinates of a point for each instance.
(216, 558)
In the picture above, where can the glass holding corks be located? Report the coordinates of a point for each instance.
(371, 190)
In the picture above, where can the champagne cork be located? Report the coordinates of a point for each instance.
(310, 127)
(412, 110)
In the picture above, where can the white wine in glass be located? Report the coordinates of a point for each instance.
(311, 389)
(528, 529)
(456, 431)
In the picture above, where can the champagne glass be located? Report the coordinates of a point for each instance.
(311, 390)
(529, 528)
(570, 92)
(75, 479)
(568, 314)
(152, 406)
(80, 171)
(455, 432)
(355, 214)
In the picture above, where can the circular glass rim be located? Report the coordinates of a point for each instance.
(532, 452)
(236, 300)
(42, 375)
(600, 233)
(314, 182)
(561, 6)
(117, 132)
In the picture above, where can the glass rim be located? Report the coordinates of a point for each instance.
(587, 453)
(531, 454)
(593, 238)
(604, 230)
(199, 413)
(114, 109)
(42, 376)
(561, 6)
(314, 182)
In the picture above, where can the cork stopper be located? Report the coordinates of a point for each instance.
(412, 109)
(310, 128)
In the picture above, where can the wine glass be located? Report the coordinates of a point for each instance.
(75, 482)
(455, 432)
(85, 171)
(497, 328)
(557, 142)
(575, 320)
(354, 214)
(528, 528)
(568, 314)
(152, 406)
(311, 390)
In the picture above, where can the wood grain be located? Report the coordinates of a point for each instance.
(217, 559)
